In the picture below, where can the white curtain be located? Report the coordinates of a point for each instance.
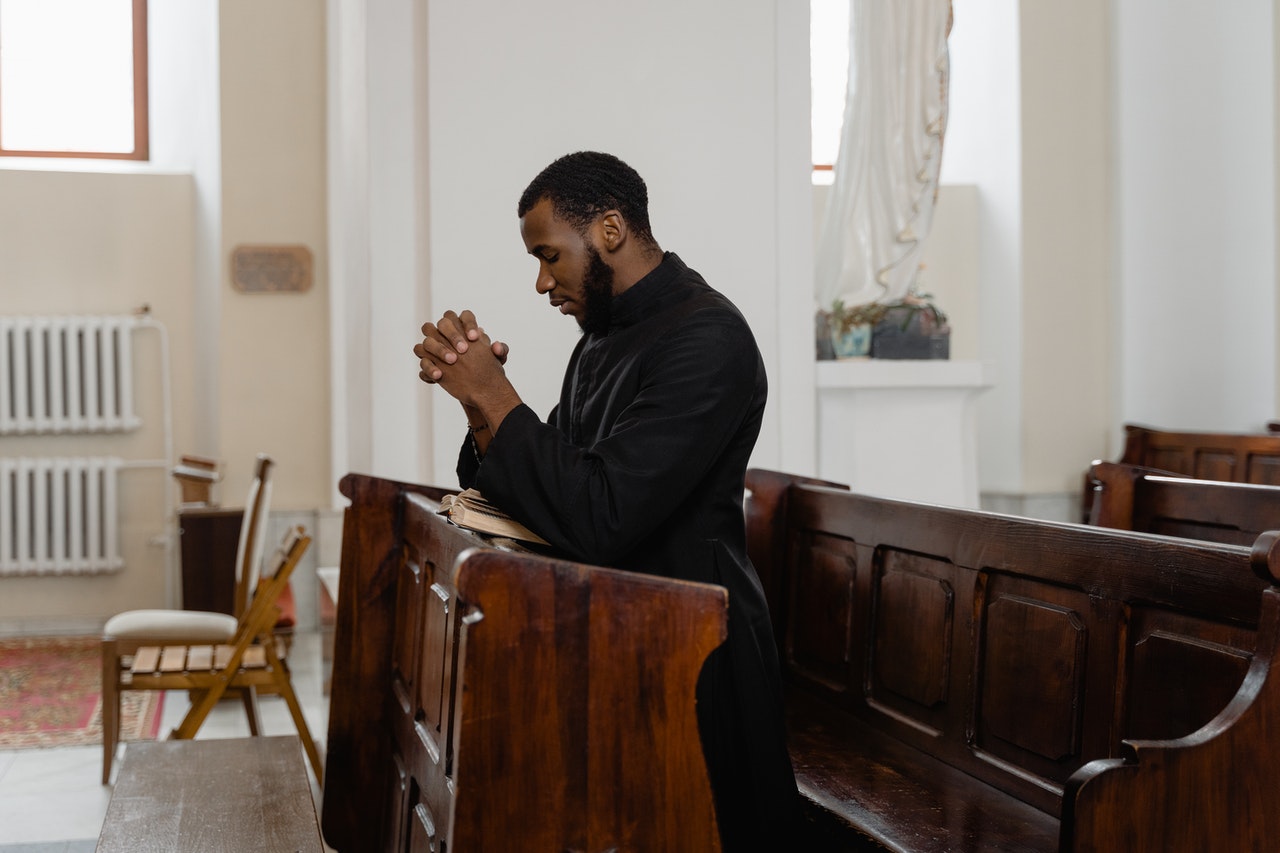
(885, 184)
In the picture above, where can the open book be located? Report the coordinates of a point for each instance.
(469, 509)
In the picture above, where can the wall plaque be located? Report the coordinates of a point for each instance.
(271, 269)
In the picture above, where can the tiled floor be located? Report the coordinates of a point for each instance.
(52, 800)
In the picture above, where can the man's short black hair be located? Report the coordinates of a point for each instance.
(585, 184)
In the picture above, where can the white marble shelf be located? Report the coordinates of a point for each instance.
(901, 428)
(899, 373)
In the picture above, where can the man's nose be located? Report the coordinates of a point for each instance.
(544, 282)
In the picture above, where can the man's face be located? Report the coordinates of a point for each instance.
(571, 271)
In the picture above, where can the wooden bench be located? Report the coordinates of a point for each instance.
(486, 698)
(221, 794)
(1129, 497)
(1224, 456)
(960, 680)
(1231, 457)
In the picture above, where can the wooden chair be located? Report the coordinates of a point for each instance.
(249, 663)
(125, 632)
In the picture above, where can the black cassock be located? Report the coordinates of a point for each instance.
(640, 466)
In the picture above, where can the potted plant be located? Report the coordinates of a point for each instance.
(850, 327)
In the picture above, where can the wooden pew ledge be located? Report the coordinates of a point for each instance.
(856, 781)
(219, 794)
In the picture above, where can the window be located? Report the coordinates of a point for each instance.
(73, 78)
(828, 77)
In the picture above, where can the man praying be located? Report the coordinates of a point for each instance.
(640, 465)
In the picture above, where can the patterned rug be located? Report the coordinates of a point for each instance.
(50, 695)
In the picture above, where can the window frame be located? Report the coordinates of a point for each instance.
(141, 115)
(823, 172)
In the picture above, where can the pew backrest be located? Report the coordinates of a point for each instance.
(1232, 457)
(1129, 497)
(487, 698)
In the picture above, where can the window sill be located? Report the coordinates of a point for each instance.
(84, 165)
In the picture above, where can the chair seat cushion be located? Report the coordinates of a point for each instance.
(186, 626)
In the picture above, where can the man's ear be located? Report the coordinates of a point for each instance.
(612, 230)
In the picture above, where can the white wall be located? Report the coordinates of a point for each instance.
(983, 148)
(728, 181)
(186, 137)
(1196, 147)
(273, 361)
(1066, 245)
(75, 242)
(377, 165)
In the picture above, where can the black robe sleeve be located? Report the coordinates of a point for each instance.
(694, 388)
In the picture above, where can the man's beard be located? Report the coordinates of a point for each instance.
(597, 294)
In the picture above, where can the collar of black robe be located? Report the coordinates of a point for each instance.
(648, 295)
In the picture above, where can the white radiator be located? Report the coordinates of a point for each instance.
(59, 516)
(66, 375)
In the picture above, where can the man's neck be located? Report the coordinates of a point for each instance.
(631, 270)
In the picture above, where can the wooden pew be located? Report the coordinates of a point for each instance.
(1128, 497)
(1231, 457)
(219, 794)
(1227, 457)
(963, 681)
(486, 698)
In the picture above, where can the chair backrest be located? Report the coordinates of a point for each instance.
(253, 530)
(265, 593)
(257, 621)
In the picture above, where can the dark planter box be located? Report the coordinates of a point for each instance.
(891, 340)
